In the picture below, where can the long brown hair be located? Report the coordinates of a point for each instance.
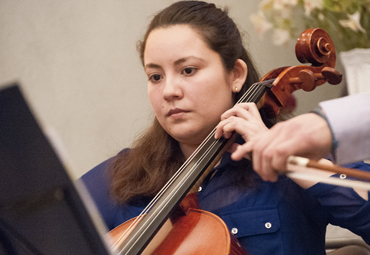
(155, 156)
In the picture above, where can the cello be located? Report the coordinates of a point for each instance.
(187, 235)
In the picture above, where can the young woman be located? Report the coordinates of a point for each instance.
(197, 68)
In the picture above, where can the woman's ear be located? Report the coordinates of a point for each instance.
(239, 75)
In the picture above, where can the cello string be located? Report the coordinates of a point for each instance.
(248, 95)
(179, 171)
(251, 94)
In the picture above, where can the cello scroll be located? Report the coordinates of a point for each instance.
(313, 46)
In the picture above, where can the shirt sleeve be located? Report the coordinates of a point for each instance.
(349, 120)
(345, 206)
(97, 183)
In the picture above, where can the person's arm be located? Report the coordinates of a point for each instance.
(307, 135)
(349, 120)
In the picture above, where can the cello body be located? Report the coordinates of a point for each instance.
(198, 232)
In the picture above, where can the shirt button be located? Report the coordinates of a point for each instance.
(199, 189)
(234, 231)
(343, 176)
(268, 225)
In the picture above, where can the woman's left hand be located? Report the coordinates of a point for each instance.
(245, 119)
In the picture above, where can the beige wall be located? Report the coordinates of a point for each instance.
(79, 69)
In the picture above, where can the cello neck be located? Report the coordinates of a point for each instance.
(204, 158)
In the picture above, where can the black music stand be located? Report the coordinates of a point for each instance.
(40, 209)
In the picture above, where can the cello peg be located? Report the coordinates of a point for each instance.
(306, 78)
(331, 75)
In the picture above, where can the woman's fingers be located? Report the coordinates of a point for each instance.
(244, 119)
(242, 110)
(241, 151)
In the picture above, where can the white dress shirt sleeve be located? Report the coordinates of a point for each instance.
(349, 120)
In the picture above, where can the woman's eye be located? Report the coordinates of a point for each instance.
(189, 70)
(155, 77)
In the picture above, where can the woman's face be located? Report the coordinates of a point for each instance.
(188, 86)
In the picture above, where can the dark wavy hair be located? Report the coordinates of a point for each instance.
(155, 156)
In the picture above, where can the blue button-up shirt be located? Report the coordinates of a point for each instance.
(270, 218)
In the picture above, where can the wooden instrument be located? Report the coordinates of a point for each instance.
(195, 231)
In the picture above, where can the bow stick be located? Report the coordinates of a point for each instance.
(311, 170)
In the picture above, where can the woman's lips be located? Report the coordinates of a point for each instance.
(176, 113)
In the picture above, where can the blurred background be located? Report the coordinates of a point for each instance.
(77, 64)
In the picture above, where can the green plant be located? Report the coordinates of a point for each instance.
(346, 21)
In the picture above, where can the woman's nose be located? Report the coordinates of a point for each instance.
(172, 89)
